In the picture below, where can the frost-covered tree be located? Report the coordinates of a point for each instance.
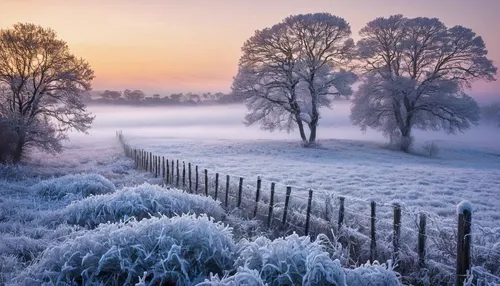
(416, 72)
(41, 87)
(291, 70)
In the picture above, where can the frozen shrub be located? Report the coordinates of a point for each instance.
(296, 260)
(372, 274)
(243, 276)
(289, 261)
(163, 251)
(140, 202)
(22, 247)
(73, 187)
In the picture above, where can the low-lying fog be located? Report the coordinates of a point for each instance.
(226, 122)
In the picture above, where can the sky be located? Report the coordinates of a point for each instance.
(165, 46)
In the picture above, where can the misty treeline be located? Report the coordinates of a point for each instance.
(412, 73)
(139, 98)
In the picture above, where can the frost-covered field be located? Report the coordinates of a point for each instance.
(350, 163)
(86, 217)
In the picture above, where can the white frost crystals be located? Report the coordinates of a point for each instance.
(464, 206)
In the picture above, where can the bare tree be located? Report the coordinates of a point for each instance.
(291, 70)
(416, 72)
(41, 84)
(111, 94)
(135, 95)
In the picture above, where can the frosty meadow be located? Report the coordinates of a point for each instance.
(340, 156)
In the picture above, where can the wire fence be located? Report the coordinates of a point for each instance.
(370, 230)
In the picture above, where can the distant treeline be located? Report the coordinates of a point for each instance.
(139, 98)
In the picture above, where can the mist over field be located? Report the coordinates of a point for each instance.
(226, 122)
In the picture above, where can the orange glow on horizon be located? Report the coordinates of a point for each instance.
(175, 45)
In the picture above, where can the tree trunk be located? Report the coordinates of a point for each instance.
(406, 139)
(18, 152)
(301, 128)
(312, 136)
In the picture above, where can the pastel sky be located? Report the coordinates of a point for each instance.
(194, 45)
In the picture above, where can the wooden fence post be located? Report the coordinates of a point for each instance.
(183, 174)
(168, 172)
(155, 167)
(308, 215)
(341, 212)
(227, 190)
(216, 185)
(421, 240)
(178, 173)
(206, 182)
(240, 190)
(189, 176)
(172, 165)
(373, 244)
(463, 241)
(257, 197)
(287, 201)
(397, 232)
(271, 206)
(150, 162)
(163, 169)
(196, 180)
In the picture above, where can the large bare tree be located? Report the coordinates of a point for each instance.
(291, 70)
(41, 86)
(416, 72)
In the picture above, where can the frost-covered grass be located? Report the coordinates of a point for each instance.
(140, 202)
(163, 251)
(73, 187)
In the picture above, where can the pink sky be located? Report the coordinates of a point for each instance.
(194, 45)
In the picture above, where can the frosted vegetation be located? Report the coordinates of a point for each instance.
(108, 229)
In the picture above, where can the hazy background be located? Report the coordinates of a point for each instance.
(165, 46)
(226, 122)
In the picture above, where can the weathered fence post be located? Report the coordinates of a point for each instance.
(163, 169)
(189, 176)
(341, 212)
(150, 162)
(257, 197)
(206, 182)
(240, 190)
(183, 174)
(216, 185)
(168, 172)
(464, 210)
(155, 167)
(196, 180)
(308, 215)
(227, 190)
(397, 232)
(271, 205)
(373, 244)
(421, 240)
(178, 173)
(173, 168)
(287, 201)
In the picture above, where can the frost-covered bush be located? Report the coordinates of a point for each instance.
(140, 202)
(243, 276)
(296, 260)
(73, 187)
(164, 251)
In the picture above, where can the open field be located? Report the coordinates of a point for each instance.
(348, 162)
